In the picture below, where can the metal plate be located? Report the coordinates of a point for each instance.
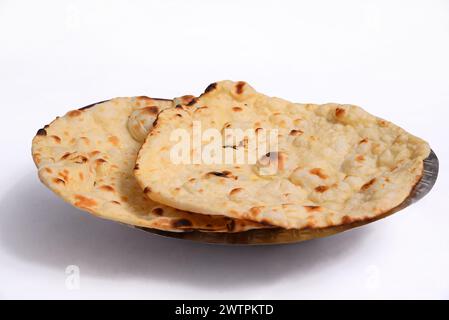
(282, 236)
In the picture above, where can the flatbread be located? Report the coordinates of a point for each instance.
(335, 164)
(87, 157)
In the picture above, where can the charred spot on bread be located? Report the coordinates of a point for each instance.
(158, 211)
(367, 185)
(321, 189)
(211, 87)
(223, 174)
(339, 112)
(74, 113)
(312, 209)
(318, 172)
(41, 132)
(296, 132)
(239, 87)
(192, 102)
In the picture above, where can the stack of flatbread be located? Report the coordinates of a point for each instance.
(331, 165)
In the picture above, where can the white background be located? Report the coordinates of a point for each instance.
(390, 57)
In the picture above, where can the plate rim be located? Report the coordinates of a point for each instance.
(279, 236)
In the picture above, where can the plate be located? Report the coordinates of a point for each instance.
(283, 236)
